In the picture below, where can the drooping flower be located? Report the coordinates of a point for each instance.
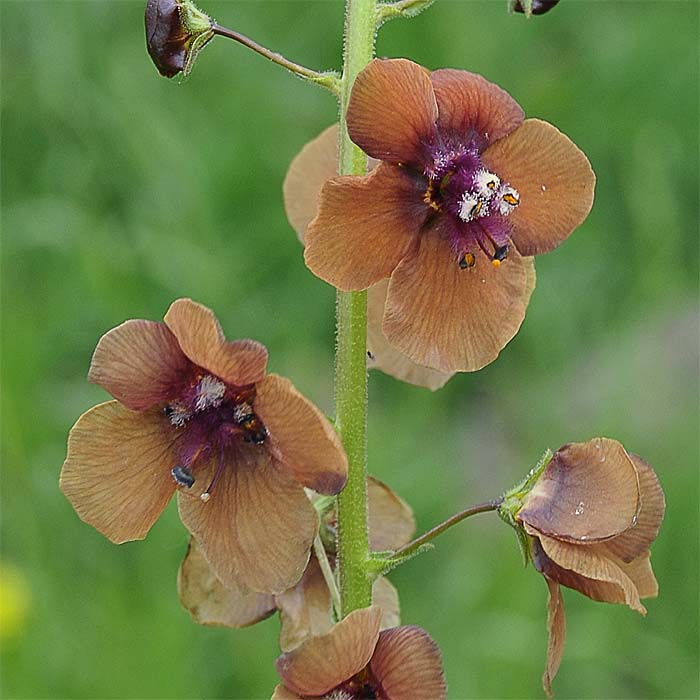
(466, 192)
(305, 609)
(176, 31)
(197, 414)
(589, 515)
(313, 165)
(355, 661)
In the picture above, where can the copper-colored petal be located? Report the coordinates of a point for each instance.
(554, 179)
(386, 597)
(593, 562)
(469, 103)
(633, 542)
(391, 521)
(303, 438)
(117, 470)
(392, 111)
(258, 526)
(312, 166)
(209, 602)
(588, 492)
(408, 665)
(281, 692)
(139, 363)
(451, 319)
(642, 575)
(305, 609)
(385, 357)
(322, 663)
(556, 635)
(199, 334)
(365, 225)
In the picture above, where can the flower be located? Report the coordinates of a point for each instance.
(305, 609)
(197, 414)
(532, 7)
(357, 661)
(176, 31)
(465, 193)
(590, 514)
(313, 165)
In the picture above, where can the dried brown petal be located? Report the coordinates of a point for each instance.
(556, 634)
(391, 521)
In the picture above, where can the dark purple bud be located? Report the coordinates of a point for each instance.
(533, 7)
(176, 30)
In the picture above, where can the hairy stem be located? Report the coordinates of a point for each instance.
(328, 80)
(351, 359)
(413, 546)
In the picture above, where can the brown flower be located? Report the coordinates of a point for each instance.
(465, 189)
(198, 414)
(591, 516)
(316, 163)
(357, 661)
(305, 609)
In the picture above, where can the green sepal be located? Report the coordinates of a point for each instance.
(381, 563)
(525, 4)
(400, 8)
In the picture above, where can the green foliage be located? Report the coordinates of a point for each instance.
(111, 209)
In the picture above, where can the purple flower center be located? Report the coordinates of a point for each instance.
(475, 202)
(212, 417)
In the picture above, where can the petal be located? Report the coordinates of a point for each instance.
(633, 542)
(408, 665)
(117, 471)
(209, 602)
(365, 225)
(305, 609)
(258, 526)
(139, 363)
(593, 562)
(311, 167)
(556, 634)
(451, 319)
(200, 336)
(385, 357)
(391, 522)
(283, 693)
(303, 438)
(554, 179)
(589, 492)
(392, 111)
(469, 104)
(642, 575)
(322, 663)
(386, 597)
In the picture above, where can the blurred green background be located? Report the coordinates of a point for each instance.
(122, 191)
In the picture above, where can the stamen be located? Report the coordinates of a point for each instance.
(509, 200)
(210, 393)
(500, 254)
(486, 183)
(219, 470)
(467, 260)
(178, 413)
(183, 476)
(470, 207)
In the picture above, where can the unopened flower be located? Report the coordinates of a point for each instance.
(316, 163)
(356, 661)
(532, 7)
(197, 414)
(176, 31)
(465, 192)
(589, 515)
(305, 609)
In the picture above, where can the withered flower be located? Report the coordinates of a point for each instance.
(176, 31)
(355, 661)
(589, 515)
(313, 165)
(197, 414)
(465, 193)
(305, 609)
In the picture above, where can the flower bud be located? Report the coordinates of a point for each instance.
(532, 7)
(176, 31)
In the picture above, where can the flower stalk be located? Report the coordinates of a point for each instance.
(328, 80)
(351, 360)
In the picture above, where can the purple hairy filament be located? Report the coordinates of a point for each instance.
(213, 417)
(474, 202)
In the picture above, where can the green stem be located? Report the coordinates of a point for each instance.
(351, 358)
(328, 80)
(412, 547)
